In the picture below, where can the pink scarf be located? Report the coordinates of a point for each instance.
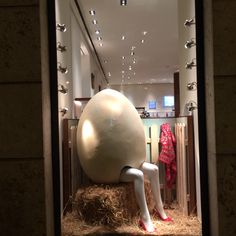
(167, 154)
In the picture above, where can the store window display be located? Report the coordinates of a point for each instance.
(111, 148)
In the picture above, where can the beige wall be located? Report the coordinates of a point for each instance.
(80, 65)
(186, 10)
(140, 94)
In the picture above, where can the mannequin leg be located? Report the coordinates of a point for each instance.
(152, 172)
(135, 175)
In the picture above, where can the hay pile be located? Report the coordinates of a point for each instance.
(182, 226)
(109, 205)
(112, 210)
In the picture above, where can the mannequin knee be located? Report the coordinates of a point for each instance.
(155, 170)
(139, 176)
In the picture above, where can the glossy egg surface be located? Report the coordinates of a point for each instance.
(110, 136)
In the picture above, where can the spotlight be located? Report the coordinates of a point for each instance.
(192, 86)
(92, 12)
(63, 70)
(64, 110)
(94, 21)
(191, 106)
(123, 2)
(189, 43)
(61, 27)
(189, 22)
(190, 65)
(62, 89)
(61, 47)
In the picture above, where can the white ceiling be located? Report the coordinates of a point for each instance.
(156, 59)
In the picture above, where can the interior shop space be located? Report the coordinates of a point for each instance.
(128, 117)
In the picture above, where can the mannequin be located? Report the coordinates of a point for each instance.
(129, 174)
(111, 147)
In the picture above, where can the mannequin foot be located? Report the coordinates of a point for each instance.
(165, 218)
(148, 227)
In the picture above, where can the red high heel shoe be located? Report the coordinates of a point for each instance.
(144, 227)
(157, 214)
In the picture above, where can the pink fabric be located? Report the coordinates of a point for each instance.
(167, 154)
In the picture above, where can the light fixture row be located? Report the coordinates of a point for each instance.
(97, 31)
(130, 68)
(123, 37)
(127, 75)
(132, 54)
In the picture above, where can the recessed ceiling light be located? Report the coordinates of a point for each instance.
(94, 21)
(67, 82)
(97, 31)
(132, 53)
(92, 12)
(109, 74)
(133, 47)
(122, 71)
(134, 73)
(123, 2)
(134, 61)
(123, 37)
(100, 44)
(130, 68)
(123, 57)
(142, 41)
(99, 38)
(144, 32)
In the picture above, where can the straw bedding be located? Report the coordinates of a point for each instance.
(110, 205)
(112, 210)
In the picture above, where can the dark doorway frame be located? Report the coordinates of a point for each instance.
(201, 116)
(51, 12)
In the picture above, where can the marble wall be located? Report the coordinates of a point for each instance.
(223, 46)
(22, 194)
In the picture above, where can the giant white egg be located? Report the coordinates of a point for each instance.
(110, 136)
